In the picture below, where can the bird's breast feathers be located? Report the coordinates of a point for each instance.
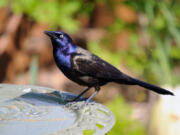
(62, 61)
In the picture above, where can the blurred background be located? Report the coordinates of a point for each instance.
(141, 38)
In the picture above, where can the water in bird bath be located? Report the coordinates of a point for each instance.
(40, 110)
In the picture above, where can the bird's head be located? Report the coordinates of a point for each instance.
(59, 39)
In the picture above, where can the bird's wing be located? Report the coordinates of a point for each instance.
(88, 64)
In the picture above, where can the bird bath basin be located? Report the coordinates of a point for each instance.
(34, 110)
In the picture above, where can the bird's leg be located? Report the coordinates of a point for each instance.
(97, 88)
(75, 99)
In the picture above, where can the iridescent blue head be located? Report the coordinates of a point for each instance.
(61, 40)
(63, 47)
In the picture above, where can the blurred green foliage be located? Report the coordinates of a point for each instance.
(158, 59)
(124, 123)
(53, 12)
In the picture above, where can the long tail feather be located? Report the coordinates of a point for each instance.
(125, 79)
(152, 87)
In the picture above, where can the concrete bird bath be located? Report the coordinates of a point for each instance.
(34, 110)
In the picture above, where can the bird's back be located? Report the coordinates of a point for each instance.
(89, 64)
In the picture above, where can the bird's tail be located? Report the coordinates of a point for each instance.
(133, 81)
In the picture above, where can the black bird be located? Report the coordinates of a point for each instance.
(87, 69)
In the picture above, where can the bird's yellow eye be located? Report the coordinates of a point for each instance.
(61, 36)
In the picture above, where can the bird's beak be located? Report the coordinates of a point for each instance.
(50, 33)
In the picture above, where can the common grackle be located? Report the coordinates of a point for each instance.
(87, 69)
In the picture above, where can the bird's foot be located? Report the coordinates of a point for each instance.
(74, 105)
(78, 105)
